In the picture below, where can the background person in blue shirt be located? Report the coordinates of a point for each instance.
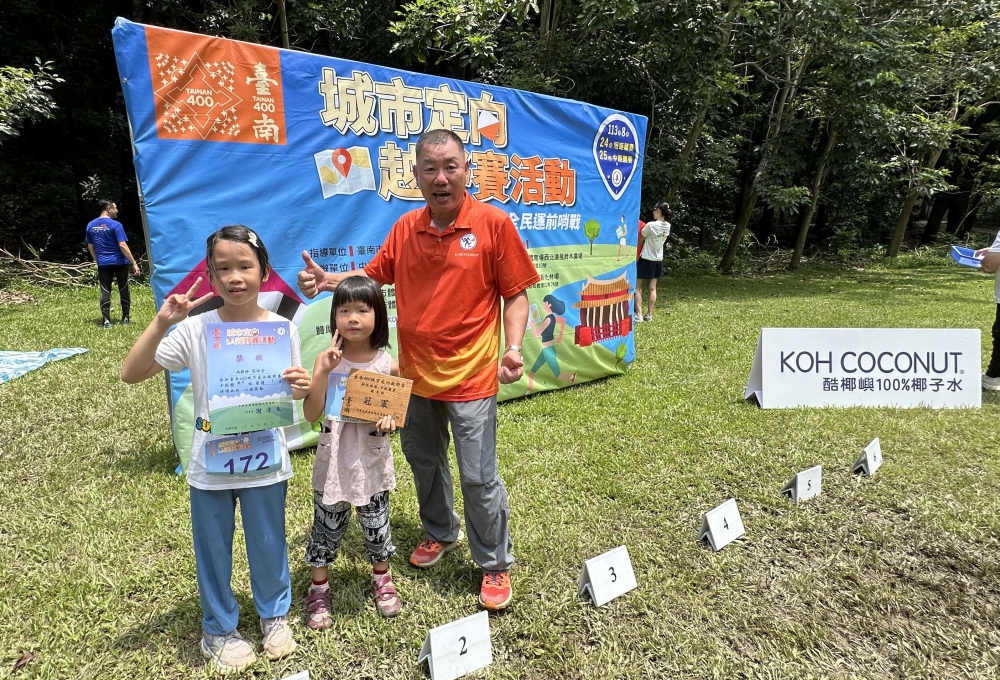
(106, 242)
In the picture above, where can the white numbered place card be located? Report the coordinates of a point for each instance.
(607, 576)
(722, 525)
(459, 647)
(804, 485)
(302, 675)
(870, 460)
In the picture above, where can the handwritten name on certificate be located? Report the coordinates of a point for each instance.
(245, 362)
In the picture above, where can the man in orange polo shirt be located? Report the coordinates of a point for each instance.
(452, 262)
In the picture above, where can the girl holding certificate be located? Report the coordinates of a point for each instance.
(353, 462)
(251, 467)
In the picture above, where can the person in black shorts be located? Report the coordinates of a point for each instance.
(649, 266)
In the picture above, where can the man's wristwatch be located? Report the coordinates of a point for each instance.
(514, 348)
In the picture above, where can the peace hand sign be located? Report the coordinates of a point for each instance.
(176, 307)
(329, 359)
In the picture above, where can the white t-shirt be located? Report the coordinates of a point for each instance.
(655, 233)
(185, 346)
(995, 248)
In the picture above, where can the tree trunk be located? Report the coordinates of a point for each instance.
(548, 17)
(692, 139)
(784, 103)
(284, 23)
(911, 196)
(938, 209)
(766, 225)
(969, 213)
(800, 242)
(904, 219)
(699, 120)
(820, 232)
(956, 214)
(899, 231)
(729, 257)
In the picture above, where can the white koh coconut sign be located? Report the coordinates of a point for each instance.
(899, 367)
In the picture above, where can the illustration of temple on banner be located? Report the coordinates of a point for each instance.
(605, 311)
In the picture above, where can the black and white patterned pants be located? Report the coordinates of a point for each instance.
(330, 525)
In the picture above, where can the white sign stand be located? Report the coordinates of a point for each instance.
(722, 525)
(804, 485)
(755, 385)
(607, 576)
(870, 460)
(301, 675)
(459, 647)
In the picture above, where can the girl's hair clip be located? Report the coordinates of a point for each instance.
(252, 237)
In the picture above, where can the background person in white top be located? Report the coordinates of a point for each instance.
(649, 267)
(991, 264)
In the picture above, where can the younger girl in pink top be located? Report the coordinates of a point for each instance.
(353, 460)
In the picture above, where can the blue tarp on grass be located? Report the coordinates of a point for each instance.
(16, 364)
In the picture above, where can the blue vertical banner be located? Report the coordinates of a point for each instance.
(316, 153)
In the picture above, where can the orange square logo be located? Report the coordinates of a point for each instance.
(215, 90)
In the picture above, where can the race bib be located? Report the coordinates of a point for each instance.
(244, 455)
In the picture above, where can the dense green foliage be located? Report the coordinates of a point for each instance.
(835, 124)
(24, 96)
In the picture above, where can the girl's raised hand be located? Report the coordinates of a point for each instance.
(386, 424)
(329, 358)
(176, 307)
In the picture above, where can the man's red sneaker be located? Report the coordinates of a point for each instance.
(429, 552)
(495, 592)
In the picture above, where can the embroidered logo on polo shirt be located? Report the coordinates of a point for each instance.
(468, 242)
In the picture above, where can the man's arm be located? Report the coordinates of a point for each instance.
(90, 247)
(515, 320)
(313, 280)
(128, 255)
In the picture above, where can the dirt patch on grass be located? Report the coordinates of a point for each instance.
(9, 298)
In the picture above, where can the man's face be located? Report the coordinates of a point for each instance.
(112, 211)
(442, 172)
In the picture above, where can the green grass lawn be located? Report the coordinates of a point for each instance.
(896, 576)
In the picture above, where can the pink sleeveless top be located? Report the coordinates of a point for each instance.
(351, 464)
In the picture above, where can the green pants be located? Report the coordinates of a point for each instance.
(547, 357)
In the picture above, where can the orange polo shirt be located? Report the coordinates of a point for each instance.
(448, 290)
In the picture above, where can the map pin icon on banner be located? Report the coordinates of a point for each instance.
(341, 159)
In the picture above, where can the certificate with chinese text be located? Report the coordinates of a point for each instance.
(245, 362)
(370, 396)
